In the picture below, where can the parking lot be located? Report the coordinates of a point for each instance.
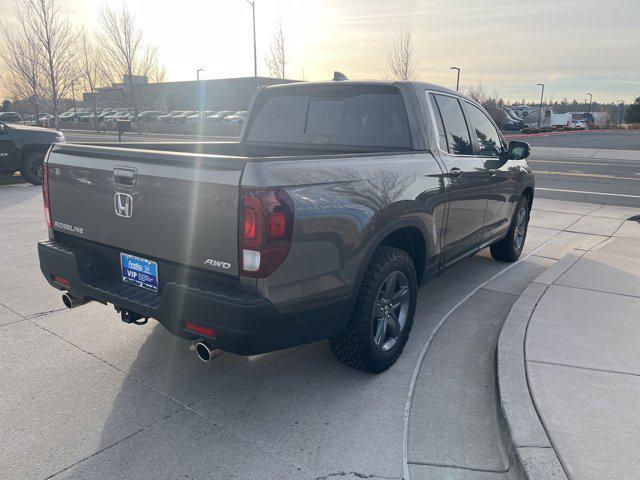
(87, 396)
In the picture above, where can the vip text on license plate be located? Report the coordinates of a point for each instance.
(139, 271)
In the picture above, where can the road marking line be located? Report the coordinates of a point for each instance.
(586, 163)
(591, 175)
(588, 193)
(416, 371)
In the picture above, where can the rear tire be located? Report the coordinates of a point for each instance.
(510, 247)
(31, 169)
(383, 315)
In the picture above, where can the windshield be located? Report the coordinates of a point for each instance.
(347, 115)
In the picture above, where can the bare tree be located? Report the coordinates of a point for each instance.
(93, 70)
(401, 61)
(48, 31)
(276, 59)
(157, 72)
(477, 92)
(126, 53)
(22, 74)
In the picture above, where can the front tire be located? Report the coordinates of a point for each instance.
(31, 169)
(510, 247)
(383, 314)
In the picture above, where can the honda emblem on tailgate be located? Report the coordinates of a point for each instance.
(123, 204)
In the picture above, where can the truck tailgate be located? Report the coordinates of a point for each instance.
(178, 207)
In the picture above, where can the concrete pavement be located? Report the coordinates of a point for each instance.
(568, 357)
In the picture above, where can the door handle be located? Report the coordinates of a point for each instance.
(455, 172)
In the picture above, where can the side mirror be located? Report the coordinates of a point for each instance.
(518, 150)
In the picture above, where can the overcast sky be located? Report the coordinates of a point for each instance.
(573, 46)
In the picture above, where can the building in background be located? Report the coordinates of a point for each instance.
(217, 94)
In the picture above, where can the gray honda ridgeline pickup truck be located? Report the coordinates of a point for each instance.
(338, 202)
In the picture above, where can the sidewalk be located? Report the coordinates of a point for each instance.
(569, 354)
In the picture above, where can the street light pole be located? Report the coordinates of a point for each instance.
(255, 55)
(73, 95)
(458, 79)
(541, 99)
(590, 101)
(199, 95)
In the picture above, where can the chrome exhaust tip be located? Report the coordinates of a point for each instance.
(204, 351)
(72, 302)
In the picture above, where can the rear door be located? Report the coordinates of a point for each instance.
(177, 207)
(490, 148)
(468, 180)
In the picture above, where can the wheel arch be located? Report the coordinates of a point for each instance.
(27, 150)
(409, 235)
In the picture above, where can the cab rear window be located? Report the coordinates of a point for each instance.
(358, 116)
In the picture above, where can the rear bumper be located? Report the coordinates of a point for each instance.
(244, 324)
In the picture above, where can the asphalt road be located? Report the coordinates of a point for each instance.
(609, 177)
(605, 139)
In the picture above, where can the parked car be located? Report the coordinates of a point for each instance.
(181, 118)
(167, 118)
(503, 119)
(195, 118)
(67, 116)
(22, 148)
(219, 117)
(44, 120)
(235, 119)
(88, 117)
(149, 115)
(406, 179)
(117, 116)
(579, 124)
(10, 117)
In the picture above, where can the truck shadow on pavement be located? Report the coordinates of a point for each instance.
(270, 414)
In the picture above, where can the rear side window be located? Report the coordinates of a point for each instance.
(455, 126)
(489, 143)
(358, 116)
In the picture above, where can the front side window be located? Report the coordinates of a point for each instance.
(489, 143)
(455, 126)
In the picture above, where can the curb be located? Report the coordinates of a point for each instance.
(530, 448)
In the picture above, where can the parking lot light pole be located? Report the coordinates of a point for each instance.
(621, 112)
(73, 95)
(255, 55)
(541, 99)
(199, 96)
(590, 101)
(458, 79)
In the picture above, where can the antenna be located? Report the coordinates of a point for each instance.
(339, 76)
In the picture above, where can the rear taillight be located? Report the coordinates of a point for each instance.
(266, 230)
(45, 193)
